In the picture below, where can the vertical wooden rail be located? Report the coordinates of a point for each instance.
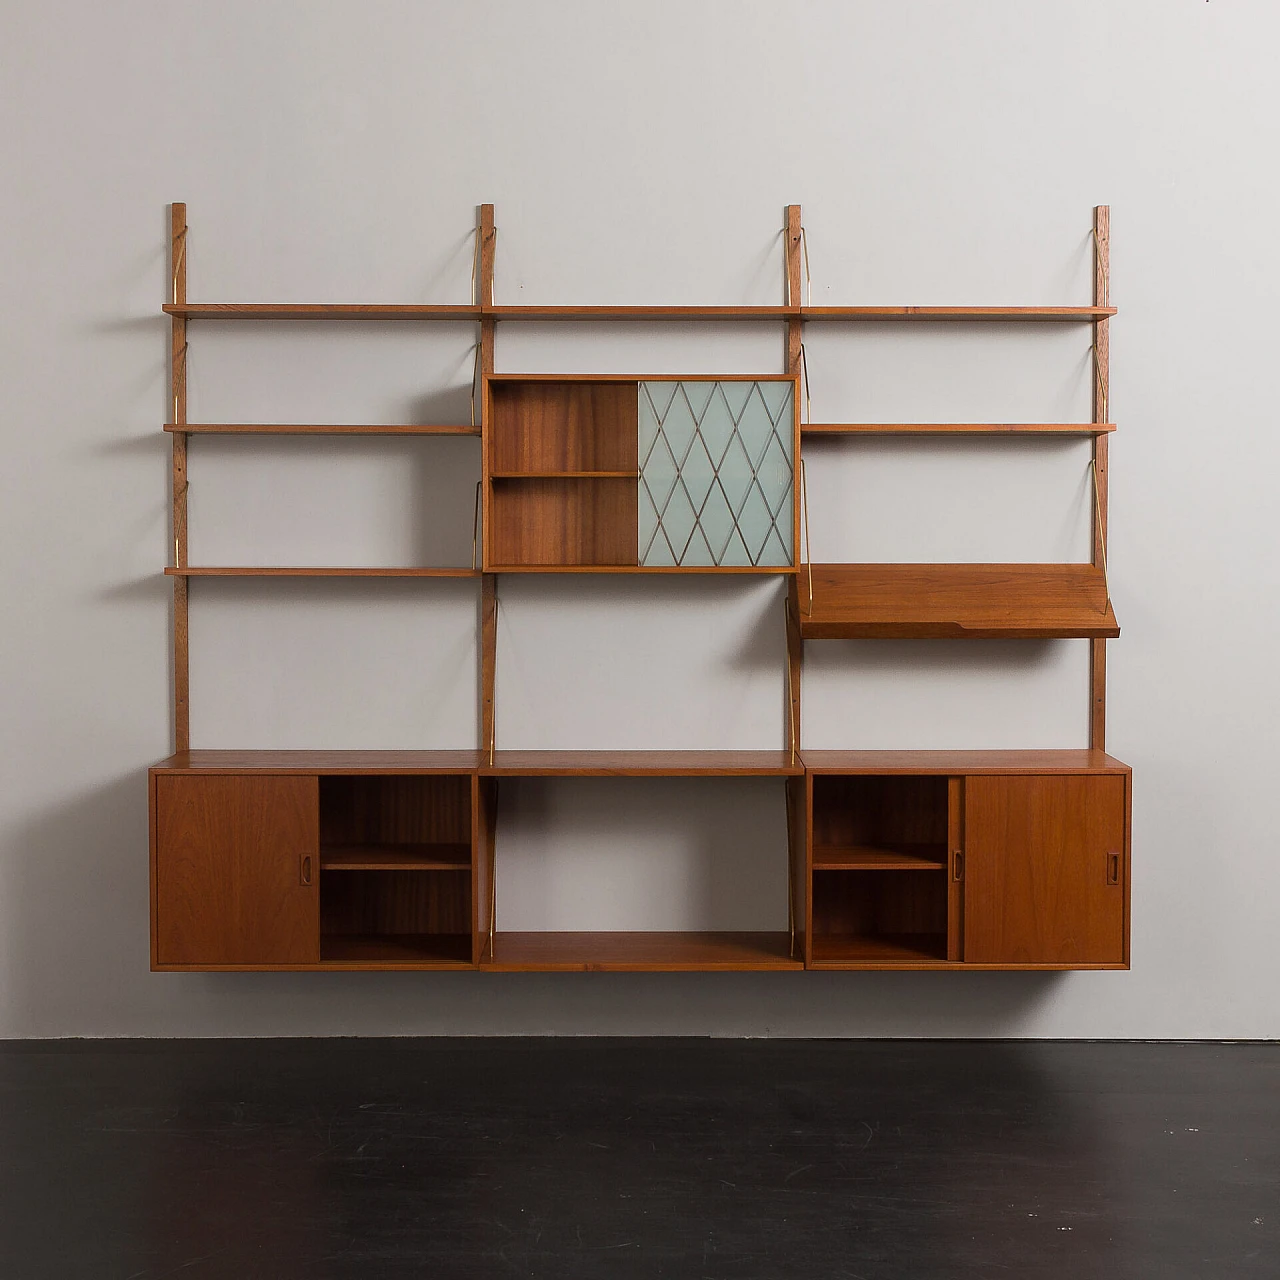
(178, 386)
(797, 846)
(795, 335)
(489, 582)
(1101, 409)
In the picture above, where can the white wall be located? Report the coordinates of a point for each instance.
(636, 153)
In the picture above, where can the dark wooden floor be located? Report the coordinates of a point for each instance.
(596, 1159)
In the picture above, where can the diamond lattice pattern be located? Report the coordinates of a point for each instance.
(717, 472)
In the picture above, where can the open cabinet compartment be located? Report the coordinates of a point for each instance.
(869, 916)
(563, 466)
(879, 858)
(395, 869)
(869, 823)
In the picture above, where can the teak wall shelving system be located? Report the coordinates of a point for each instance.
(896, 859)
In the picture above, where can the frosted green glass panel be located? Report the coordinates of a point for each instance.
(717, 473)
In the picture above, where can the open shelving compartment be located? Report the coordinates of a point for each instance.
(562, 468)
(879, 860)
(396, 869)
(648, 950)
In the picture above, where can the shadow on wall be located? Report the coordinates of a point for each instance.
(77, 934)
(77, 927)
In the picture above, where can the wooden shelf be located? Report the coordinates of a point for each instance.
(843, 949)
(323, 762)
(320, 311)
(638, 568)
(640, 952)
(957, 313)
(643, 764)
(564, 475)
(940, 601)
(960, 763)
(956, 428)
(869, 858)
(317, 429)
(396, 951)
(256, 571)
(395, 857)
(573, 313)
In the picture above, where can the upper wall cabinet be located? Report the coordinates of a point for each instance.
(628, 475)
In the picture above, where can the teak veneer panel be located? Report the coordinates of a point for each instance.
(1046, 873)
(643, 764)
(641, 952)
(236, 871)
(952, 601)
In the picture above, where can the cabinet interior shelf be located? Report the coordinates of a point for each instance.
(395, 857)
(956, 428)
(262, 571)
(952, 601)
(565, 475)
(319, 429)
(640, 952)
(869, 858)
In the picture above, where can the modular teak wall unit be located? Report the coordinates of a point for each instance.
(896, 859)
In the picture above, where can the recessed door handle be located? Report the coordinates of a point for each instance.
(957, 865)
(1113, 868)
(304, 870)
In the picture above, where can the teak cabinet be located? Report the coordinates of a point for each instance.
(894, 859)
(897, 860)
(968, 859)
(620, 474)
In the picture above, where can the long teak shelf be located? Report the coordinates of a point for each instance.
(318, 429)
(462, 311)
(951, 601)
(306, 571)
